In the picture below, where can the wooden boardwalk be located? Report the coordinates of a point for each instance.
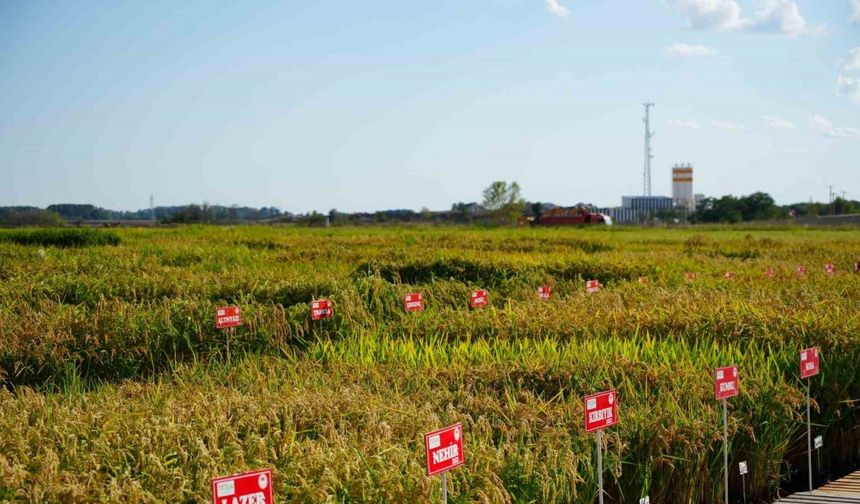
(842, 491)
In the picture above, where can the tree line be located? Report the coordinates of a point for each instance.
(502, 204)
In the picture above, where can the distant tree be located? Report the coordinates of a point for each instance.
(34, 217)
(504, 202)
(729, 209)
(426, 214)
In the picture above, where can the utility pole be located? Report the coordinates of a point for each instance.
(152, 207)
(831, 199)
(646, 176)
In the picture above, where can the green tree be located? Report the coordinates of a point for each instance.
(504, 202)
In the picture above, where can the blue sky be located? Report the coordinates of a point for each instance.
(391, 104)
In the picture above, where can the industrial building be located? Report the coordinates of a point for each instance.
(682, 187)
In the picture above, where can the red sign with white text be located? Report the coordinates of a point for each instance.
(248, 488)
(592, 286)
(769, 273)
(228, 316)
(479, 298)
(726, 382)
(321, 309)
(801, 270)
(444, 449)
(809, 362)
(413, 302)
(601, 410)
(829, 268)
(545, 291)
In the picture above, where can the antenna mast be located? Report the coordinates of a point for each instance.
(646, 176)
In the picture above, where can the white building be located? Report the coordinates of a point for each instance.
(682, 186)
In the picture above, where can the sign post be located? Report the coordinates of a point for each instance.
(819, 442)
(725, 386)
(254, 486)
(545, 292)
(479, 298)
(809, 366)
(444, 450)
(413, 302)
(601, 411)
(228, 317)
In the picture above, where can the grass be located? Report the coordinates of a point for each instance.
(117, 386)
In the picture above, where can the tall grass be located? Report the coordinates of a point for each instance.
(118, 387)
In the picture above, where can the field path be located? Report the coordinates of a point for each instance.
(845, 490)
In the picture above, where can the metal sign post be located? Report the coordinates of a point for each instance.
(726, 447)
(444, 488)
(601, 411)
(725, 386)
(809, 367)
(600, 466)
(808, 437)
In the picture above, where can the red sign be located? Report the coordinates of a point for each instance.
(809, 362)
(726, 382)
(228, 316)
(690, 276)
(545, 291)
(479, 298)
(769, 273)
(321, 309)
(801, 270)
(413, 302)
(592, 286)
(248, 488)
(643, 280)
(829, 268)
(444, 449)
(729, 275)
(601, 410)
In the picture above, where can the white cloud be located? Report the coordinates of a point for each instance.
(557, 9)
(778, 124)
(853, 62)
(779, 16)
(729, 125)
(827, 128)
(849, 87)
(719, 15)
(855, 7)
(685, 123)
(773, 16)
(688, 51)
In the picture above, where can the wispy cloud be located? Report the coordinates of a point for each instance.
(557, 9)
(852, 64)
(685, 123)
(729, 125)
(778, 123)
(826, 128)
(846, 86)
(774, 16)
(688, 51)
(855, 8)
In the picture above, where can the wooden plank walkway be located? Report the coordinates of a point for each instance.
(842, 491)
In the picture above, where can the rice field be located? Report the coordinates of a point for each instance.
(118, 387)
